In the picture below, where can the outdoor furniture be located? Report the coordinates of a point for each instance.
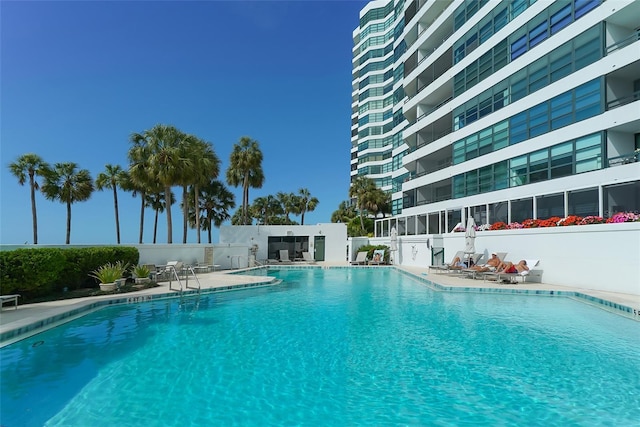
(361, 259)
(10, 298)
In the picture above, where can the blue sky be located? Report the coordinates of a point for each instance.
(78, 77)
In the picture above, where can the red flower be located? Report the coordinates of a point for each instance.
(498, 226)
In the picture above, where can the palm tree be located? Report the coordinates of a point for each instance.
(289, 204)
(306, 203)
(113, 177)
(30, 165)
(359, 190)
(163, 148)
(266, 209)
(205, 167)
(215, 201)
(344, 214)
(245, 169)
(68, 185)
(139, 180)
(158, 202)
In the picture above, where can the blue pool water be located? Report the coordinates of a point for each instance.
(339, 347)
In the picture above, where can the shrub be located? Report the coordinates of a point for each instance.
(371, 248)
(570, 220)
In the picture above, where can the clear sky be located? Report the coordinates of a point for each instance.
(78, 77)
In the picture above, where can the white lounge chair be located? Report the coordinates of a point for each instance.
(512, 278)
(284, 256)
(10, 298)
(308, 258)
(446, 267)
(378, 257)
(361, 259)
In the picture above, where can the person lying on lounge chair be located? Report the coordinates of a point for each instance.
(510, 267)
(491, 265)
(458, 264)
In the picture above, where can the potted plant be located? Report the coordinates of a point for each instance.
(108, 274)
(141, 273)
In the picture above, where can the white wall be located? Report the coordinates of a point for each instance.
(602, 256)
(335, 237)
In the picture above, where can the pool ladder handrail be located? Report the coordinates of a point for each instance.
(189, 271)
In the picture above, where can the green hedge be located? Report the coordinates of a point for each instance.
(40, 272)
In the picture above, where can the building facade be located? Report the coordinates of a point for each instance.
(498, 110)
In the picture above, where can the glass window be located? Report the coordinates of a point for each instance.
(518, 84)
(582, 7)
(518, 47)
(518, 128)
(550, 205)
(471, 179)
(485, 142)
(538, 120)
(518, 172)
(485, 105)
(485, 65)
(501, 135)
(485, 179)
(471, 147)
(560, 62)
(521, 209)
(434, 223)
(587, 100)
(471, 115)
(458, 186)
(621, 198)
(458, 152)
(501, 175)
(537, 34)
(500, 55)
(561, 19)
(454, 218)
(562, 160)
(499, 212)
(583, 202)
(587, 52)
(486, 30)
(538, 75)
(517, 7)
(561, 110)
(589, 153)
(539, 166)
(500, 20)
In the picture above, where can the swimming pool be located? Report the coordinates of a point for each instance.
(330, 347)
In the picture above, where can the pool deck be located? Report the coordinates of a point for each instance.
(31, 318)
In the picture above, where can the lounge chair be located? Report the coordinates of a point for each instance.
(512, 278)
(446, 267)
(378, 257)
(308, 258)
(169, 269)
(475, 258)
(284, 256)
(474, 274)
(361, 259)
(10, 298)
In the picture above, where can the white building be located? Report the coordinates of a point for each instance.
(500, 110)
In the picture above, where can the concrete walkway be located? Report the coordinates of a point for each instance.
(31, 318)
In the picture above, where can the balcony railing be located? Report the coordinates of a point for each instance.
(625, 159)
(619, 102)
(624, 42)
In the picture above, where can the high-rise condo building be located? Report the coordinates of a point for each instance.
(499, 110)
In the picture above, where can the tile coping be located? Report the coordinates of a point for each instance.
(20, 332)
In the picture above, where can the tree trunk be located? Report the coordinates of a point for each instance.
(209, 232)
(167, 192)
(115, 204)
(185, 213)
(34, 217)
(68, 222)
(196, 202)
(155, 226)
(142, 196)
(245, 199)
